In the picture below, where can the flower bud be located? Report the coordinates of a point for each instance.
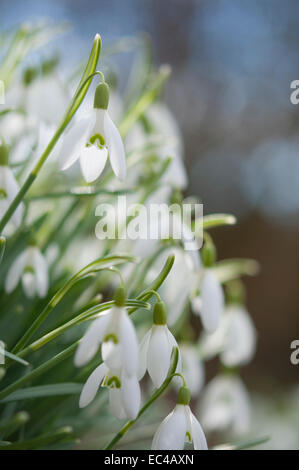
(120, 296)
(160, 315)
(184, 396)
(101, 96)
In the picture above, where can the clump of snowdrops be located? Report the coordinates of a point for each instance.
(95, 331)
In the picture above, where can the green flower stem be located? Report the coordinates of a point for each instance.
(84, 316)
(144, 101)
(74, 105)
(2, 247)
(146, 294)
(158, 392)
(80, 193)
(177, 374)
(62, 434)
(39, 370)
(98, 265)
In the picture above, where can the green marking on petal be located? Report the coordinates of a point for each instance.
(114, 382)
(3, 194)
(188, 436)
(97, 140)
(111, 337)
(28, 269)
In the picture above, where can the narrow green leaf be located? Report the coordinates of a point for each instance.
(95, 266)
(44, 391)
(144, 101)
(38, 371)
(15, 358)
(243, 445)
(65, 434)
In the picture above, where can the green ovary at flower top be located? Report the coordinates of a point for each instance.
(93, 139)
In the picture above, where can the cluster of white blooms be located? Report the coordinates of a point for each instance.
(192, 285)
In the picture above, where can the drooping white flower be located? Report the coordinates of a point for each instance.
(8, 187)
(116, 332)
(225, 405)
(180, 426)
(31, 268)
(156, 348)
(211, 305)
(192, 368)
(124, 391)
(164, 127)
(93, 139)
(234, 340)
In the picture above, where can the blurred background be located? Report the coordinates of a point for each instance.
(232, 63)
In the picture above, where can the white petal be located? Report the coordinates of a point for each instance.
(173, 344)
(112, 354)
(41, 272)
(129, 345)
(14, 274)
(143, 351)
(212, 301)
(116, 149)
(115, 403)
(29, 284)
(92, 384)
(74, 141)
(131, 395)
(91, 340)
(10, 184)
(239, 339)
(159, 353)
(170, 435)
(198, 437)
(93, 161)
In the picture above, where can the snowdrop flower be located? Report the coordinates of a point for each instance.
(192, 368)
(124, 391)
(8, 187)
(156, 348)
(179, 427)
(116, 332)
(211, 304)
(31, 268)
(93, 139)
(162, 125)
(225, 405)
(234, 340)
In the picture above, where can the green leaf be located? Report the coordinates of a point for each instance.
(39, 391)
(15, 358)
(94, 267)
(63, 434)
(89, 314)
(144, 101)
(243, 445)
